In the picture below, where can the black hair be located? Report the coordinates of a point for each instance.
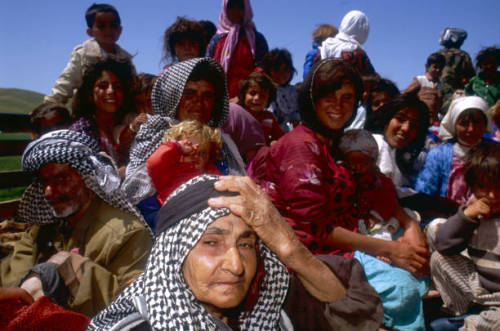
(486, 53)
(209, 29)
(42, 110)
(262, 80)
(382, 85)
(205, 70)
(236, 4)
(378, 121)
(326, 76)
(183, 28)
(83, 104)
(275, 58)
(482, 165)
(436, 58)
(100, 8)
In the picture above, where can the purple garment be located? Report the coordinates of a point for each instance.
(232, 30)
(457, 188)
(244, 129)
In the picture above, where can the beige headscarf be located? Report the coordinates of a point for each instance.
(447, 128)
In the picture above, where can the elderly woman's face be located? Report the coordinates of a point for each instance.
(197, 101)
(222, 265)
(335, 108)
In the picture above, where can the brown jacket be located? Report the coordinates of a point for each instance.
(114, 248)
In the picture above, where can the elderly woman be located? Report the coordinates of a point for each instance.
(190, 90)
(221, 266)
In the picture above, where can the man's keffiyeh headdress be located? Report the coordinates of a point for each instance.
(80, 152)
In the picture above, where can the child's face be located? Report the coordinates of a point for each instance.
(186, 49)
(256, 98)
(107, 93)
(143, 103)
(280, 76)
(379, 98)
(490, 194)
(434, 71)
(201, 154)
(105, 29)
(470, 128)
(489, 65)
(402, 129)
(360, 163)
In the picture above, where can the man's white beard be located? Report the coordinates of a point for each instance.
(67, 211)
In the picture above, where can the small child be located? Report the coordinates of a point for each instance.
(256, 92)
(474, 277)
(189, 149)
(377, 205)
(183, 40)
(125, 132)
(430, 88)
(486, 83)
(319, 35)
(104, 26)
(49, 117)
(495, 116)
(278, 65)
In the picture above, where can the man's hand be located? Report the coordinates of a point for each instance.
(16, 293)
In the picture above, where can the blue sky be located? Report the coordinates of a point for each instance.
(37, 36)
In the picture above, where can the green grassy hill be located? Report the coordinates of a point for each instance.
(13, 100)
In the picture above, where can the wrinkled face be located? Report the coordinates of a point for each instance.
(402, 129)
(280, 76)
(107, 93)
(220, 268)
(197, 101)
(64, 189)
(379, 99)
(470, 127)
(434, 71)
(186, 49)
(335, 108)
(105, 29)
(201, 155)
(256, 98)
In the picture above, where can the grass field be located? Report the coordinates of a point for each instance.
(18, 101)
(10, 163)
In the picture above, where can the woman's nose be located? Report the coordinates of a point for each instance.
(48, 191)
(232, 261)
(405, 126)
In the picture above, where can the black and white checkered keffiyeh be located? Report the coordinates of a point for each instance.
(82, 153)
(166, 95)
(170, 303)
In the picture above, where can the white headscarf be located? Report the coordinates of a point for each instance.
(353, 32)
(447, 128)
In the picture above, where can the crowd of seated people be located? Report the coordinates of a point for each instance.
(216, 195)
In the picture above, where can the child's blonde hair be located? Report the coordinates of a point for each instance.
(495, 112)
(193, 128)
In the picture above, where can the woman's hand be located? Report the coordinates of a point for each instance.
(16, 293)
(255, 208)
(415, 259)
(478, 208)
(138, 121)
